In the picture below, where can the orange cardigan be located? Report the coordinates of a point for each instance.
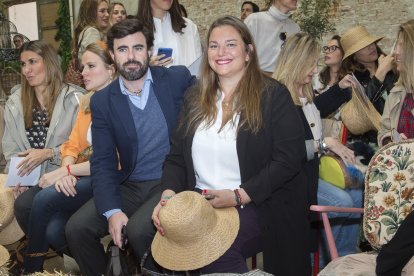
(77, 140)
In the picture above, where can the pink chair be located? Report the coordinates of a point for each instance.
(389, 197)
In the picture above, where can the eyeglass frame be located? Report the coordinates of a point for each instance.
(328, 49)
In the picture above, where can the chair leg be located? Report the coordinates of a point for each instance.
(254, 262)
(316, 262)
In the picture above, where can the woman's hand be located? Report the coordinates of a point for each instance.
(221, 198)
(385, 64)
(345, 153)
(50, 178)
(347, 82)
(67, 185)
(165, 196)
(159, 61)
(32, 159)
(18, 190)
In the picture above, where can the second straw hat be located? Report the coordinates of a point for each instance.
(356, 39)
(10, 232)
(196, 234)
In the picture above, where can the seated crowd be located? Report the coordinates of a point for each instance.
(201, 171)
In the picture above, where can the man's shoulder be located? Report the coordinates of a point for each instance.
(177, 71)
(106, 91)
(257, 17)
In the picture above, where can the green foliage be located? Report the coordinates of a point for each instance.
(64, 33)
(313, 17)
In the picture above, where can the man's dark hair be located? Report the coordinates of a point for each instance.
(128, 27)
(254, 5)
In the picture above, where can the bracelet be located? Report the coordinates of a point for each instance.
(53, 155)
(68, 169)
(238, 198)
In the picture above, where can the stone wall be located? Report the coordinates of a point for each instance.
(381, 17)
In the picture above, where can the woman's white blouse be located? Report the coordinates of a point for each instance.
(313, 117)
(214, 154)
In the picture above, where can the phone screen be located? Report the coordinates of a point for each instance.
(165, 51)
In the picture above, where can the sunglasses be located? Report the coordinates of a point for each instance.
(329, 49)
(283, 36)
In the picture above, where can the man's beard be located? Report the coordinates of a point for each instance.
(134, 74)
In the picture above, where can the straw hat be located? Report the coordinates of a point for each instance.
(196, 234)
(356, 39)
(4, 255)
(10, 231)
(360, 116)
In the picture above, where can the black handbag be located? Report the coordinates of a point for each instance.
(121, 262)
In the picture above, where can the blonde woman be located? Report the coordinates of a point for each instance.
(296, 67)
(117, 12)
(62, 191)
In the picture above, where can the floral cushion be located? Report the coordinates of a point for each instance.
(389, 191)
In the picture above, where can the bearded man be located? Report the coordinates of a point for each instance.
(132, 122)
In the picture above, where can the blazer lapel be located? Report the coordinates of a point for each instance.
(119, 103)
(161, 91)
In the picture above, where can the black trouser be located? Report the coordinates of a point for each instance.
(396, 254)
(86, 227)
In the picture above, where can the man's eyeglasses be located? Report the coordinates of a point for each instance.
(283, 36)
(329, 49)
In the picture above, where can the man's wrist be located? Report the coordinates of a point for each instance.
(111, 212)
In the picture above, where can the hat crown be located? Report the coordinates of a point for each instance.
(186, 216)
(356, 39)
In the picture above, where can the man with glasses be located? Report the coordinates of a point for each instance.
(270, 29)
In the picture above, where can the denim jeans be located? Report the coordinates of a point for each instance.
(49, 213)
(345, 226)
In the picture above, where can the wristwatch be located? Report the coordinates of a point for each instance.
(323, 147)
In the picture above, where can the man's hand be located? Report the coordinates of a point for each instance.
(116, 222)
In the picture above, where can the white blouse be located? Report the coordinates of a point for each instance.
(313, 117)
(214, 154)
(186, 46)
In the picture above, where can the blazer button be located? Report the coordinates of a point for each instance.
(312, 124)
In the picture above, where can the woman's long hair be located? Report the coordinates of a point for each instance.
(53, 80)
(298, 56)
(324, 75)
(145, 15)
(202, 107)
(87, 17)
(406, 34)
(101, 50)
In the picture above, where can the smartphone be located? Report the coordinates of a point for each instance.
(208, 196)
(165, 51)
(124, 239)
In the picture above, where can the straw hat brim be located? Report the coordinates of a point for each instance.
(361, 44)
(359, 118)
(4, 255)
(211, 246)
(11, 233)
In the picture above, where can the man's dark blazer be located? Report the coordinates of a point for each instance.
(114, 136)
(271, 171)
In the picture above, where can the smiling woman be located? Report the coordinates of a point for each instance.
(255, 163)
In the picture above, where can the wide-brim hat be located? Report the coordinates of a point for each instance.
(196, 234)
(360, 116)
(10, 231)
(4, 255)
(356, 39)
